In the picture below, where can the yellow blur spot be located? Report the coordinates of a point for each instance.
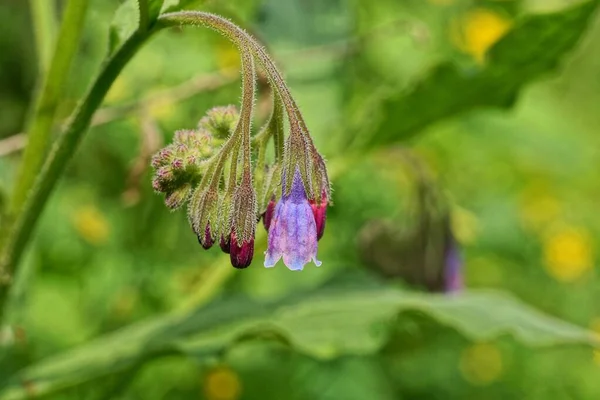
(568, 254)
(222, 383)
(481, 364)
(228, 58)
(91, 225)
(478, 30)
(465, 225)
(163, 109)
(118, 91)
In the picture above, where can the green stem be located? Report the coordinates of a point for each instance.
(40, 129)
(144, 15)
(243, 126)
(243, 39)
(44, 29)
(59, 157)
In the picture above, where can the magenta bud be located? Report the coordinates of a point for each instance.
(206, 240)
(177, 163)
(320, 213)
(157, 161)
(225, 244)
(157, 185)
(268, 214)
(241, 253)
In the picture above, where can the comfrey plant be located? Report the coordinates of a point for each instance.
(220, 169)
(212, 168)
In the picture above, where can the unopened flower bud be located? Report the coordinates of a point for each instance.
(243, 224)
(220, 121)
(241, 253)
(178, 197)
(319, 202)
(203, 216)
(206, 238)
(320, 212)
(225, 243)
(268, 214)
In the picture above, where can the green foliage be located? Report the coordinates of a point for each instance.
(108, 255)
(533, 47)
(129, 17)
(324, 326)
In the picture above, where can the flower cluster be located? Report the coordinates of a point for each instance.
(222, 171)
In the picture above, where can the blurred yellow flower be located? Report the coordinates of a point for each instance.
(481, 364)
(568, 253)
(478, 30)
(222, 383)
(465, 225)
(91, 225)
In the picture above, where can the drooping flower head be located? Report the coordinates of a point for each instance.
(292, 229)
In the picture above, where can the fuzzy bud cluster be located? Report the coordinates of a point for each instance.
(178, 167)
(220, 121)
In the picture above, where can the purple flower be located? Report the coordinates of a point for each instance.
(453, 276)
(292, 230)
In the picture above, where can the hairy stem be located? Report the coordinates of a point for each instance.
(241, 38)
(40, 129)
(243, 126)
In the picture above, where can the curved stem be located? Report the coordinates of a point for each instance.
(243, 126)
(242, 39)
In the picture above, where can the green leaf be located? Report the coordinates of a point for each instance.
(127, 20)
(534, 46)
(324, 326)
(175, 5)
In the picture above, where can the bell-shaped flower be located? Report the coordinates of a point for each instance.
(292, 229)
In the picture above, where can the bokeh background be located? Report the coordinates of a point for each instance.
(512, 179)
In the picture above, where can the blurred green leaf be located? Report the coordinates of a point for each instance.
(534, 46)
(174, 5)
(324, 326)
(127, 18)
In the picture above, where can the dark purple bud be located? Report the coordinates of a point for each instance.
(268, 214)
(225, 243)
(206, 240)
(320, 212)
(241, 253)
